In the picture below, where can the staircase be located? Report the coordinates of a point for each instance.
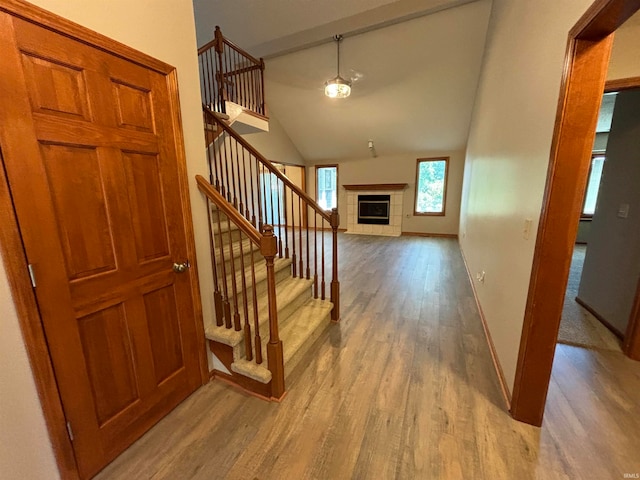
(272, 246)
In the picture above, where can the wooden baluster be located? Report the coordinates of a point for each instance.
(293, 236)
(233, 175)
(256, 320)
(259, 190)
(216, 154)
(234, 286)
(306, 215)
(246, 213)
(252, 190)
(262, 108)
(247, 327)
(213, 87)
(300, 234)
(270, 176)
(279, 216)
(220, 70)
(315, 254)
(223, 148)
(225, 301)
(204, 75)
(322, 284)
(210, 162)
(275, 356)
(286, 220)
(245, 88)
(263, 182)
(217, 297)
(252, 90)
(335, 284)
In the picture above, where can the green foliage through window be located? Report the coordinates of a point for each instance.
(431, 185)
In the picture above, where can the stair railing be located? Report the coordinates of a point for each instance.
(228, 73)
(235, 295)
(263, 195)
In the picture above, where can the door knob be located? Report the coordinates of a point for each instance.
(181, 267)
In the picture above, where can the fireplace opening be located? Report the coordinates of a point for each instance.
(374, 209)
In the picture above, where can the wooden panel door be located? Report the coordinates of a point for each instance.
(90, 153)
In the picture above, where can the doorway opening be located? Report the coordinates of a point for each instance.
(587, 61)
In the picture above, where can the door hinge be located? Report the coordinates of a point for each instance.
(70, 431)
(32, 275)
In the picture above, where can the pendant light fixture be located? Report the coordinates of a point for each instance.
(337, 87)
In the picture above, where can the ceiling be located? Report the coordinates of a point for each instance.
(414, 81)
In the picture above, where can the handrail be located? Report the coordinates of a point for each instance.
(310, 201)
(236, 47)
(247, 228)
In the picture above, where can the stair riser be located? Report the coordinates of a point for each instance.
(258, 261)
(261, 286)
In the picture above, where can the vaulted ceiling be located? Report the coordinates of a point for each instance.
(415, 65)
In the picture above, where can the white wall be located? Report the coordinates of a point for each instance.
(400, 169)
(164, 29)
(625, 55)
(275, 144)
(612, 263)
(508, 155)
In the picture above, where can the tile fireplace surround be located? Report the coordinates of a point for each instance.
(396, 193)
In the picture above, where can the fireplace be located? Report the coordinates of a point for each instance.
(374, 209)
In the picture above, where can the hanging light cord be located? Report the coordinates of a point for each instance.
(338, 39)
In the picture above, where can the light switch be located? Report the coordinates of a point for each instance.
(623, 210)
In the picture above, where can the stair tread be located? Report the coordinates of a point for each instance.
(297, 330)
(286, 292)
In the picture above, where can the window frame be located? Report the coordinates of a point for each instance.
(587, 217)
(444, 190)
(327, 165)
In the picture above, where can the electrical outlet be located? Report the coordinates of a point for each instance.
(623, 210)
(526, 231)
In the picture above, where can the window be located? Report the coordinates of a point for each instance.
(593, 185)
(431, 186)
(327, 186)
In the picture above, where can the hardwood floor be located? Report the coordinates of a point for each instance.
(402, 388)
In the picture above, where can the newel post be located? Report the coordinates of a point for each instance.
(219, 47)
(335, 284)
(275, 356)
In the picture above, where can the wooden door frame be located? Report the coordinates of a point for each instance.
(586, 65)
(13, 252)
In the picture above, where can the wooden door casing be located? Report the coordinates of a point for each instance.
(90, 153)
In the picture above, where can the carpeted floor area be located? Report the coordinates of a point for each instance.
(578, 327)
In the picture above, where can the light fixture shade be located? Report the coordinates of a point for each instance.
(337, 88)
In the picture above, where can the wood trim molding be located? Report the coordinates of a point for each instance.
(600, 318)
(375, 186)
(566, 181)
(621, 84)
(427, 234)
(506, 395)
(631, 344)
(586, 65)
(181, 157)
(15, 262)
(39, 16)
